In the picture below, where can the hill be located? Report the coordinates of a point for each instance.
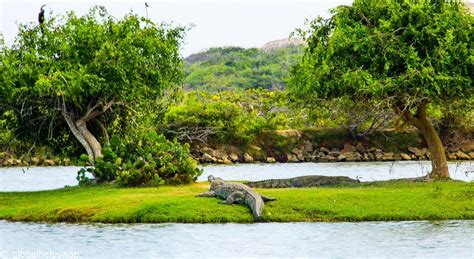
(227, 68)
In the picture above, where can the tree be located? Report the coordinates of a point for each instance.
(408, 53)
(80, 68)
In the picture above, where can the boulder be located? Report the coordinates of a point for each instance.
(348, 148)
(292, 158)
(308, 147)
(220, 154)
(233, 157)
(462, 156)
(388, 156)
(208, 158)
(471, 154)
(297, 151)
(271, 160)
(360, 147)
(49, 162)
(248, 158)
(452, 156)
(324, 150)
(405, 156)
(226, 161)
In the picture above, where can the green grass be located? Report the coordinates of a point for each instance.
(382, 201)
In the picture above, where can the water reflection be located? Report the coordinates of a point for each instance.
(366, 239)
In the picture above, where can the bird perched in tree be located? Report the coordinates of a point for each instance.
(146, 9)
(41, 17)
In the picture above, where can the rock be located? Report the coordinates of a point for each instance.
(308, 147)
(233, 157)
(282, 43)
(471, 154)
(292, 158)
(462, 156)
(417, 152)
(324, 150)
(220, 154)
(372, 149)
(300, 157)
(297, 151)
(206, 150)
(388, 156)
(365, 157)
(271, 160)
(348, 148)
(49, 162)
(208, 158)
(253, 147)
(248, 158)
(371, 156)
(334, 152)
(35, 160)
(452, 156)
(226, 161)
(405, 156)
(378, 155)
(341, 158)
(360, 147)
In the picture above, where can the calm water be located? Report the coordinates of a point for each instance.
(45, 178)
(412, 239)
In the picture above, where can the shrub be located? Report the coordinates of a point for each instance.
(149, 160)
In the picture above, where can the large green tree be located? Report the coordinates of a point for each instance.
(408, 53)
(75, 69)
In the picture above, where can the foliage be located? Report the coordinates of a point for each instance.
(230, 68)
(404, 50)
(150, 160)
(229, 117)
(81, 67)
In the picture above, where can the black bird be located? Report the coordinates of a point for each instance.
(41, 17)
(146, 9)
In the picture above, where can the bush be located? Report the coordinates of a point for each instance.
(150, 160)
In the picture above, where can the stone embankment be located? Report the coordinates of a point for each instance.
(7, 160)
(309, 152)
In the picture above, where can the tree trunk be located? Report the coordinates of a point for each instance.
(85, 137)
(438, 159)
(439, 163)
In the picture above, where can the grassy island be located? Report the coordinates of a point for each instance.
(365, 202)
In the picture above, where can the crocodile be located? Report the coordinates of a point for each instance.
(236, 193)
(302, 181)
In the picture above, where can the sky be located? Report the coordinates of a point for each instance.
(243, 23)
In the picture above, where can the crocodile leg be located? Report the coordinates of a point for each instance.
(266, 198)
(207, 194)
(234, 197)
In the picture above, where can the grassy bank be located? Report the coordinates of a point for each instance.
(388, 201)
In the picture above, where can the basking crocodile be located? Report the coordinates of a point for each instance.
(302, 181)
(236, 193)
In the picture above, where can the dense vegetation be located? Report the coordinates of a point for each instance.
(233, 68)
(407, 54)
(73, 72)
(149, 160)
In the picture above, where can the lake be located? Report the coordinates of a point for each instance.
(409, 239)
(46, 178)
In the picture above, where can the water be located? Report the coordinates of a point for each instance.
(409, 239)
(45, 178)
